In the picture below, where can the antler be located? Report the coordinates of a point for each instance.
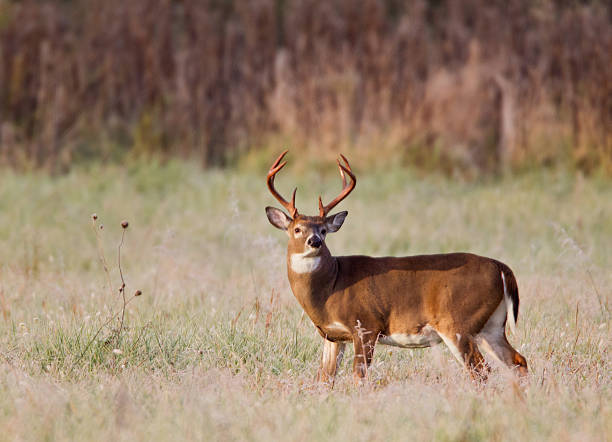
(290, 206)
(346, 189)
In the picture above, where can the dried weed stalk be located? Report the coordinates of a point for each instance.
(119, 315)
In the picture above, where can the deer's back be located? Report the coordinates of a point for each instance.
(417, 287)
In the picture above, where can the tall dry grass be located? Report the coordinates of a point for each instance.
(471, 86)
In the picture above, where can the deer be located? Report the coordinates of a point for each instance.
(461, 299)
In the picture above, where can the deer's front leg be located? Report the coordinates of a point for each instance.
(364, 350)
(330, 360)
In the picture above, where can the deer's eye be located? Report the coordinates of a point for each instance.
(297, 230)
(323, 231)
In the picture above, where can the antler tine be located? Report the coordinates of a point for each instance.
(342, 175)
(290, 206)
(346, 161)
(346, 188)
(348, 166)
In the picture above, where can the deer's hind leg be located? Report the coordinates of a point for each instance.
(465, 350)
(333, 352)
(498, 347)
(492, 339)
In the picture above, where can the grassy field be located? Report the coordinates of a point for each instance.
(217, 348)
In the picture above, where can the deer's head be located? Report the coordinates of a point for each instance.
(307, 233)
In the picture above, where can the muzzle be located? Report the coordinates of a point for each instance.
(314, 241)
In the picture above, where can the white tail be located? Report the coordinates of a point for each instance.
(509, 306)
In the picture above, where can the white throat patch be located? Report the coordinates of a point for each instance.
(303, 263)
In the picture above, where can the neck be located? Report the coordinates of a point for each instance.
(312, 279)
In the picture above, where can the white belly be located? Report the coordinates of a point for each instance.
(426, 338)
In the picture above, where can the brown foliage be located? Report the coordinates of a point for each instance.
(481, 83)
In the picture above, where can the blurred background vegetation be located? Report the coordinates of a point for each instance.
(474, 87)
(114, 107)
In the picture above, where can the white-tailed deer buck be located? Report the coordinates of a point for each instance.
(414, 301)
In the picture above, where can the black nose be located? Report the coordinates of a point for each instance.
(314, 241)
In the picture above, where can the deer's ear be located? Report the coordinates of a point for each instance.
(334, 222)
(278, 218)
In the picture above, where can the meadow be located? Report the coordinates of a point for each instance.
(217, 348)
